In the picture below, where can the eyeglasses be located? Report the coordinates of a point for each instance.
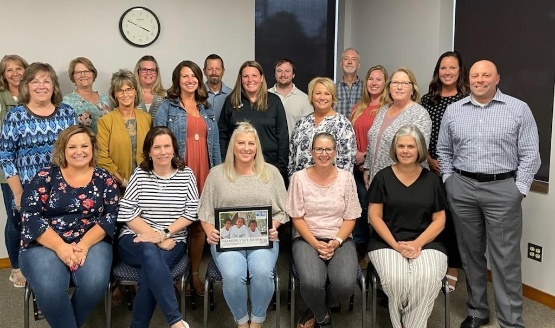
(125, 91)
(36, 83)
(320, 150)
(85, 72)
(404, 84)
(148, 70)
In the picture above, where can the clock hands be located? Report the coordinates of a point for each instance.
(137, 25)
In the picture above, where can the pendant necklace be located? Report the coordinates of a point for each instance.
(197, 137)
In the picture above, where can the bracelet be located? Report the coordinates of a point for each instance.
(339, 240)
(161, 234)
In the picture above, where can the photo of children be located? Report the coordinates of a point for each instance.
(244, 228)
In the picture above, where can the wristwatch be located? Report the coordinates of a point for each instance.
(167, 233)
(339, 240)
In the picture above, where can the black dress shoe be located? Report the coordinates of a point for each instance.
(474, 322)
(326, 324)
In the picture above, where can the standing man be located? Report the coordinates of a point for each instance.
(294, 100)
(488, 150)
(217, 90)
(349, 89)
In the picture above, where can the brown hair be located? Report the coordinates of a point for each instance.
(18, 59)
(174, 92)
(29, 75)
(261, 103)
(119, 78)
(81, 60)
(58, 153)
(146, 164)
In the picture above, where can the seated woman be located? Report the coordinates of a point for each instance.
(260, 184)
(324, 205)
(407, 211)
(159, 203)
(68, 221)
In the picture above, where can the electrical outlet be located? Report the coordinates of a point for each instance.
(535, 252)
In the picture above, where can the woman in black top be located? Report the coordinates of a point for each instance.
(407, 212)
(250, 101)
(449, 84)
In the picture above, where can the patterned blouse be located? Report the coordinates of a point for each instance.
(380, 138)
(88, 113)
(436, 114)
(48, 201)
(301, 142)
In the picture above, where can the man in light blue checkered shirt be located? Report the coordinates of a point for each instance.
(488, 151)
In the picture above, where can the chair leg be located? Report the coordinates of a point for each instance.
(363, 292)
(293, 283)
(26, 298)
(277, 305)
(447, 310)
(206, 287)
(108, 306)
(182, 294)
(374, 300)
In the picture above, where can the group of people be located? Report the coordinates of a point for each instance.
(147, 167)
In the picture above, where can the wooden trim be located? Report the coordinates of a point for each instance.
(535, 294)
(5, 263)
(540, 186)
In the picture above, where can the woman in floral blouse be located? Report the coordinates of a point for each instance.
(323, 96)
(69, 212)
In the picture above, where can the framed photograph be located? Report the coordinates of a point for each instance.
(243, 227)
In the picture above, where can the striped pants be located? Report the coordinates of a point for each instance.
(411, 285)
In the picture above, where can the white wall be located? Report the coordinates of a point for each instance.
(397, 33)
(57, 31)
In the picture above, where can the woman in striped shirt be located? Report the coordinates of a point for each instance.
(154, 236)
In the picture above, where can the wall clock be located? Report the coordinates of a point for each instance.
(139, 26)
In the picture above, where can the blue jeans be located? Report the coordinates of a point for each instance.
(12, 232)
(50, 278)
(361, 232)
(260, 264)
(155, 279)
(325, 283)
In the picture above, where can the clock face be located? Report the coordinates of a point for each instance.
(139, 26)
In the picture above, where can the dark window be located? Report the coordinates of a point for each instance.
(303, 31)
(519, 37)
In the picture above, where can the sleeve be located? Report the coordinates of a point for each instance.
(103, 139)
(111, 195)
(206, 202)
(293, 148)
(376, 192)
(9, 143)
(424, 123)
(33, 201)
(444, 146)
(216, 150)
(352, 204)
(529, 160)
(190, 210)
(282, 134)
(347, 146)
(129, 207)
(440, 199)
(161, 118)
(279, 200)
(295, 198)
(224, 127)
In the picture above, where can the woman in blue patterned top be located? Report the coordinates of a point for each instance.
(68, 221)
(88, 104)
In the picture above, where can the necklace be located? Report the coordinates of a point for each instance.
(189, 112)
(162, 182)
(197, 137)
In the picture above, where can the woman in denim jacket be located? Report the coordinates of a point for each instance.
(191, 119)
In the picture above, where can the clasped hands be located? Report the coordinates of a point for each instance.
(409, 249)
(73, 255)
(326, 250)
(155, 237)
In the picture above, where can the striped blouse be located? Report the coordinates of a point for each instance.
(160, 201)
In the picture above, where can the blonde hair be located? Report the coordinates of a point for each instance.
(157, 88)
(4, 62)
(365, 100)
(261, 102)
(327, 83)
(415, 96)
(259, 167)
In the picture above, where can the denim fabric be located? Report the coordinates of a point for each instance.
(172, 115)
(12, 231)
(361, 232)
(325, 283)
(50, 278)
(155, 280)
(233, 265)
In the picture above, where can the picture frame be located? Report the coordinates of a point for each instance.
(243, 227)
